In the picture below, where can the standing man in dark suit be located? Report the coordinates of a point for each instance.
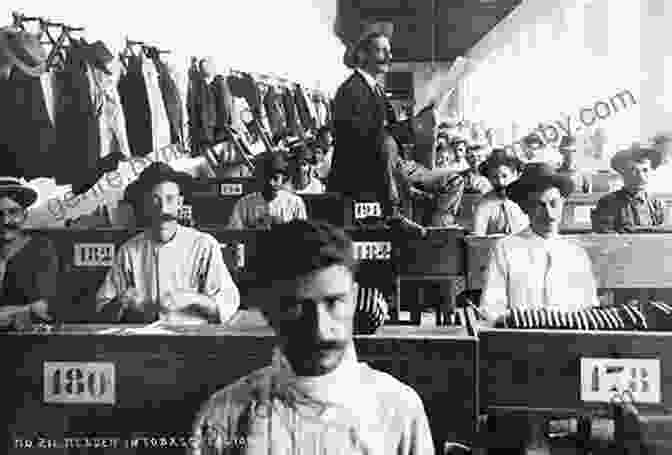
(361, 166)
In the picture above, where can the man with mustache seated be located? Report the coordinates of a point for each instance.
(315, 397)
(168, 271)
(28, 263)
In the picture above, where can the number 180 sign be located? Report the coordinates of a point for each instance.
(79, 382)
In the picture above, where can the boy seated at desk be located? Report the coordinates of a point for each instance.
(168, 271)
(28, 263)
(632, 206)
(495, 213)
(274, 204)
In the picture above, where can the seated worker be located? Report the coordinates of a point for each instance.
(304, 180)
(495, 213)
(632, 206)
(567, 149)
(315, 396)
(274, 204)
(28, 262)
(459, 145)
(134, 214)
(168, 271)
(474, 181)
(537, 267)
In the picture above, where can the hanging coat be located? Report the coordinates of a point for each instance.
(302, 108)
(244, 86)
(112, 122)
(77, 117)
(160, 123)
(135, 101)
(172, 101)
(28, 132)
(275, 111)
(293, 123)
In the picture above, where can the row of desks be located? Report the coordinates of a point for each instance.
(620, 261)
(155, 382)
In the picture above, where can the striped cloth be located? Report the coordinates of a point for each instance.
(372, 310)
(620, 317)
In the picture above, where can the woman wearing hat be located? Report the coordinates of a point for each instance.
(274, 204)
(496, 213)
(632, 206)
(28, 263)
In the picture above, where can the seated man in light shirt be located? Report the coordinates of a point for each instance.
(167, 272)
(304, 179)
(316, 396)
(537, 267)
(274, 204)
(495, 213)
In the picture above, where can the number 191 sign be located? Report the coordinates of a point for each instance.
(79, 382)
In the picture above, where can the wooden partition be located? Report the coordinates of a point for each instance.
(539, 371)
(155, 383)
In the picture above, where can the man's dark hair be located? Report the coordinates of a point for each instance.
(303, 246)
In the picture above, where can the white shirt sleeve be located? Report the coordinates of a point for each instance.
(494, 299)
(481, 217)
(116, 280)
(236, 220)
(219, 285)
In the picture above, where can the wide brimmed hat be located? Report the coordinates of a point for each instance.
(23, 50)
(498, 158)
(98, 55)
(636, 152)
(159, 172)
(539, 177)
(15, 189)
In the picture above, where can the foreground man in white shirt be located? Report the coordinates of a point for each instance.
(315, 397)
(169, 271)
(537, 267)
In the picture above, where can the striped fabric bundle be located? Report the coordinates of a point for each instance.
(371, 310)
(621, 317)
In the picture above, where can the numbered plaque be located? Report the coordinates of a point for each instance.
(368, 210)
(79, 382)
(373, 251)
(93, 254)
(602, 379)
(231, 189)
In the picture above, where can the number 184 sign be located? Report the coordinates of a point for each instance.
(79, 382)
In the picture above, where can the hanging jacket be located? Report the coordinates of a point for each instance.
(302, 108)
(160, 123)
(135, 101)
(28, 134)
(112, 122)
(244, 86)
(293, 123)
(77, 117)
(275, 111)
(211, 109)
(172, 101)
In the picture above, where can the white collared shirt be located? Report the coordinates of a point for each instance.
(354, 409)
(191, 261)
(373, 83)
(252, 211)
(528, 271)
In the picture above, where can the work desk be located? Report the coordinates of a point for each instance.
(155, 382)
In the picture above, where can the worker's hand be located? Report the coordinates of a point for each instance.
(130, 299)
